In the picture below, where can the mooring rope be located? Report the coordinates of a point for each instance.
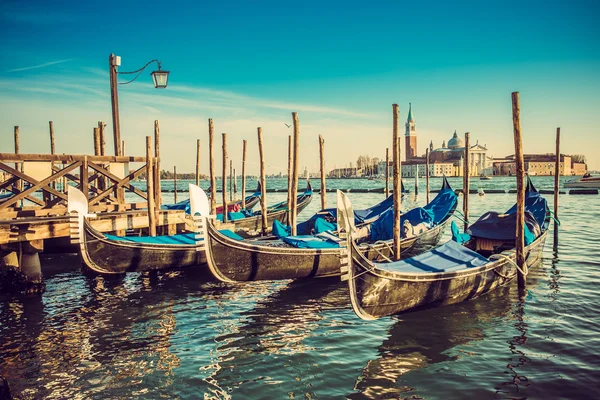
(498, 256)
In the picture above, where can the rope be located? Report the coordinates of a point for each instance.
(497, 256)
(553, 216)
(377, 250)
(463, 219)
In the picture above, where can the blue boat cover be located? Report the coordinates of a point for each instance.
(185, 204)
(431, 214)
(449, 257)
(537, 205)
(310, 242)
(280, 230)
(457, 236)
(493, 225)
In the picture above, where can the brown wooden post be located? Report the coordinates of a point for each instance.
(224, 178)
(198, 162)
(96, 142)
(175, 183)
(427, 173)
(101, 127)
(157, 187)
(52, 148)
(20, 184)
(150, 188)
(322, 164)
(387, 172)
(466, 181)
(520, 173)
(114, 97)
(296, 161)
(234, 183)
(230, 180)
(263, 183)
(244, 175)
(396, 179)
(123, 148)
(211, 156)
(556, 187)
(289, 182)
(83, 177)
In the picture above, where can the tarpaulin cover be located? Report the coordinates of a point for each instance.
(185, 204)
(432, 214)
(280, 230)
(493, 225)
(449, 257)
(537, 205)
(319, 225)
(309, 242)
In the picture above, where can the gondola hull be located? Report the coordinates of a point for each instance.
(232, 260)
(376, 292)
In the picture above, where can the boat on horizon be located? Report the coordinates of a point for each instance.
(587, 181)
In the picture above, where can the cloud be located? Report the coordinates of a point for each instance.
(38, 66)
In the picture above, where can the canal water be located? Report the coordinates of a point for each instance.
(179, 335)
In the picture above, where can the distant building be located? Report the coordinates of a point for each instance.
(343, 173)
(539, 164)
(410, 136)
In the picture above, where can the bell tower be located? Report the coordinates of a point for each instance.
(410, 136)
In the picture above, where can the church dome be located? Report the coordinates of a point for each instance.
(455, 142)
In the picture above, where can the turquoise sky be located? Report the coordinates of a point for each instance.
(340, 65)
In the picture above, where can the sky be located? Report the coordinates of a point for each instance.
(340, 65)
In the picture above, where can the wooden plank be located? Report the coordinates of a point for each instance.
(11, 157)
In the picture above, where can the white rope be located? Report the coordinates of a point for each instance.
(498, 256)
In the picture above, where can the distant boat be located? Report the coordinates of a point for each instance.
(586, 182)
(485, 177)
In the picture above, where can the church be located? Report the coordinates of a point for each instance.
(445, 160)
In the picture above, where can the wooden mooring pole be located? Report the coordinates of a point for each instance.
(123, 148)
(387, 172)
(263, 182)
(96, 142)
(213, 177)
(51, 126)
(520, 173)
(230, 180)
(427, 173)
(396, 181)
(295, 166)
(323, 183)
(198, 162)
(150, 188)
(101, 127)
(466, 181)
(224, 178)
(289, 182)
(234, 183)
(157, 187)
(20, 185)
(556, 187)
(244, 174)
(175, 184)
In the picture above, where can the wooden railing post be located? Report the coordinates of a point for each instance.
(150, 188)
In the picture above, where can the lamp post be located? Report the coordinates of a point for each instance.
(159, 77)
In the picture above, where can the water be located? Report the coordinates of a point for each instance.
(176, 335)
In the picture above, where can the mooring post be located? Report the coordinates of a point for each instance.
(157, 187)
(295, 167)
(230, 180)
(520, 173)
(224, 178)
(289, 182)
(323, 184)
(234, 183)
(198, 162)
(396, 179)
(466, 181)
(263, 183)
(52, 149)
(416, 179)
(150, 188)
(556, 188)
(175, 183)
(101, 127)
(244, 175)
(213, 178)
(387, 172)
(20, 185)
(427, 173)
(96, 142)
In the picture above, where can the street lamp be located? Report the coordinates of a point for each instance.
(159, 77)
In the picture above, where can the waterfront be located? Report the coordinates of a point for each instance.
(175, 335)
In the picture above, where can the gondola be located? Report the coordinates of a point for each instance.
(251, 201)
(234, 260)
(450, 273)
(109, 254)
